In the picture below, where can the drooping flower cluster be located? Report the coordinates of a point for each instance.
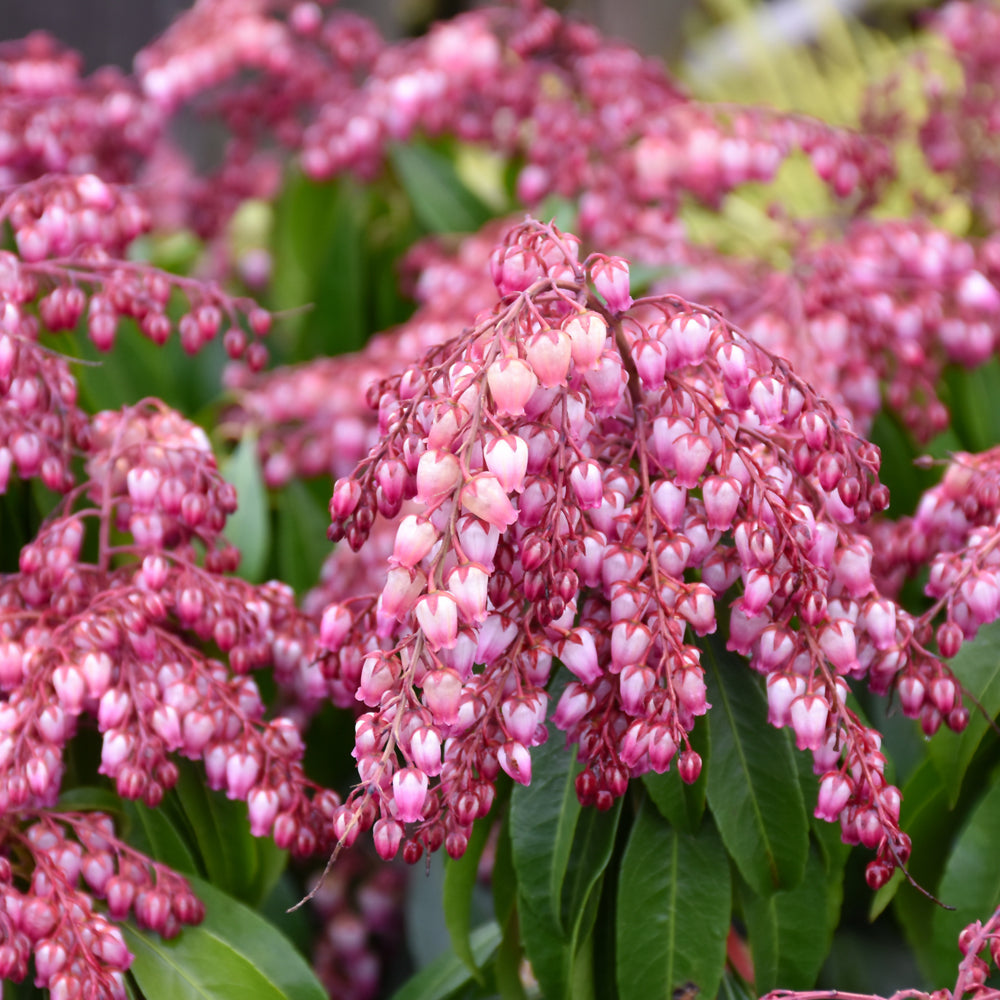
(64, 861)
(584, 479)
(872, 316)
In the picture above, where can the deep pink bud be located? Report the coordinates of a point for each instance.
(345, 498)
(387, 835)
(634, 683)
(516, 761)
(70, 687)
(852, 568)
(522, 716)
(661, 749)
(689, 766)
(409, 791)
(263, 806)
(697, 607)
(630, 642)
(834, 793)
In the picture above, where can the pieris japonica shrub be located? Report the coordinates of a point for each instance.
(414, 491)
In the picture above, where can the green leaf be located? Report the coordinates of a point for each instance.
(446, 975)
(593, 843)
(926, 817)
(249, 527)
(153, 833)
(234, 952)
(504, 880)
(753, 787)
(977, 666)
(971, 881)
(674, 901)
(507, 965)
(440, 201)
(543, 820)
(977, 425)
(245, 866)
(301, 541)
(459, 882)
(790, 930)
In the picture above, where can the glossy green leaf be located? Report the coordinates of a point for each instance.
(301, 537)
(926, 817)
(543, 822)
(249, 527)
(790, 930)
(753, 785)
(977, 425)
(673, 909)
(234, 952)
(440, 201)
(971, 881)
(977, 666)
(460, 876)
(446, 975)
(235, 861)
(504, 881)
(593, 843)
(154, 833)
(507, 964)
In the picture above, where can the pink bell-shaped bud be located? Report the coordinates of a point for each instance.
(415, 537)
(834, 793)
(587, 333)
(409, 792)
(516, 761)
(549, 353)
(438, 473)
(721, 495)
(511, 383)
(782, 690)
(484, 497)
(579, 654)
(611, 280)
(425, 750)
(437, 615)
(809, 715)
(507, 458)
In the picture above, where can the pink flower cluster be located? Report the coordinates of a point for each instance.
(583, 479)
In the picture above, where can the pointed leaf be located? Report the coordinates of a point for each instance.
(249, 527)
(235, 861)
(441, 202)
(673, 909)
(153, 833)
(234, 952)
(971, 881)
(753, 787)
(301, 542)
(977, 666)
(790, 931)
(459, 882)
(446, 975)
